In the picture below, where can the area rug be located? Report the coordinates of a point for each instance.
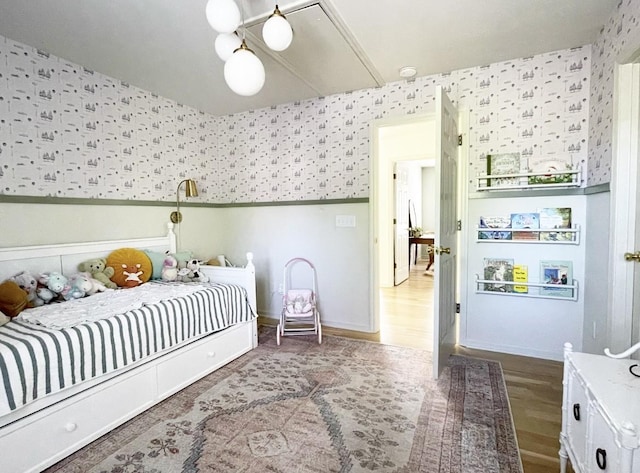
(342, 406)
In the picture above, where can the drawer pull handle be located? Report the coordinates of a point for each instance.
(70, 426)
(576, 411)
(211, 354)
(601, 458)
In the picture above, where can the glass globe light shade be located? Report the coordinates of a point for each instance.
(226, 44)
(244, 72)
(223, 15)
(277, 32)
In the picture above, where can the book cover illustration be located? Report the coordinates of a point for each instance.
(556, 273)
(498, 270)
(556, 218)
(497, 222)
(499, 164)
(549, 171)
(520, 274)
(524, 221)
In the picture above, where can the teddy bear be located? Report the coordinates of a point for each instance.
(29, 284)
(169, 268)
(99, 270)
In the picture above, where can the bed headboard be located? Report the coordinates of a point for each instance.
(65, 258)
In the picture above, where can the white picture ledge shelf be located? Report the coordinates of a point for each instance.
(480, 284)
(575, 230)
(529, 180)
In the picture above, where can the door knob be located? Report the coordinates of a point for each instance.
(632, 256)
(443, 250)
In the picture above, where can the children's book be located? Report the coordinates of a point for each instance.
(501, 164)
(556, 218)
(498, 270)
(556, 274)
(520, 222)
(499, 223)
(520, 274)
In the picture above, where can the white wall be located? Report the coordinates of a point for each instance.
(517, 324)
(596, 244)
(278, 233)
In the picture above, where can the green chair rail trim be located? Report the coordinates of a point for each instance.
(21, 199)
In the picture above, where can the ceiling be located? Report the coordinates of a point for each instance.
(166, 46)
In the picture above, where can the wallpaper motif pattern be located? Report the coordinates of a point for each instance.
(621, 31)
(70, 132)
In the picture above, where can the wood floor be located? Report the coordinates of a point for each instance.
(534, 385)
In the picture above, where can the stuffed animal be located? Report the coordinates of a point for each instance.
(191, 272)
(99, 270)
(57, 283)
(169, 268)
(132, 275)
(79, 286)
(12, 298)
(96, 286)
(29, 284)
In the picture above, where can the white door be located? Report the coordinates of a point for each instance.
(401, 227)
(444, 301)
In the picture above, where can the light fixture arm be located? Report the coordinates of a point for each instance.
(190, 191)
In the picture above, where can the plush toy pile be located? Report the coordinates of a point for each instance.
(126, 267)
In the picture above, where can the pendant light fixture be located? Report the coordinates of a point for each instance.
(223, 15)
(226, 44)
(244, 72)
(277, 32)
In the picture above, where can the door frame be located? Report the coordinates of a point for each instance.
(622, 328)
(374, 208)
(380, 170)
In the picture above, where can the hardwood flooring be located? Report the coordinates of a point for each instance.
(534, 385)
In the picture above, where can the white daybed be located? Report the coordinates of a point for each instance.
(47, 429)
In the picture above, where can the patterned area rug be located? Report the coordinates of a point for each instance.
(343, 406)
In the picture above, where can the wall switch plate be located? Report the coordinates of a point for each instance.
(345, 220)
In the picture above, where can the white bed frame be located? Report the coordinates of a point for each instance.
(42, 433)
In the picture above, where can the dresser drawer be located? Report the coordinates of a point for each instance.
(202, 357)
(603, 455)
(577, 417)
(42, 440)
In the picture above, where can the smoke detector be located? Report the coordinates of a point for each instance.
(407, 72)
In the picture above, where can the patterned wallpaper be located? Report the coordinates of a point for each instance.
(621, 31)
(70, 132)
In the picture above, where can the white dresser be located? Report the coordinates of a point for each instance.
(600, 414)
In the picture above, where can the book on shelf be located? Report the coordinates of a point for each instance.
(500, 164)
(498, 270)
(520, 222)
(556, 273)
(520, 274)
(548, 170)
(499, 223)
(556, 218)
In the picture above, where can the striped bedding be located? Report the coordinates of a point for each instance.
(36, 361)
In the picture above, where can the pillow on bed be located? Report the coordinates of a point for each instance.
(157, 260)
(183, 257)
(132, 267)
(12, 298)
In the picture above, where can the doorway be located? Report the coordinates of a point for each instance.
(405, 312)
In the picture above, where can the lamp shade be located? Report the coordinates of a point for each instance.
(226, 44)
(223, 15)
(277, 32)
(244, 72)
